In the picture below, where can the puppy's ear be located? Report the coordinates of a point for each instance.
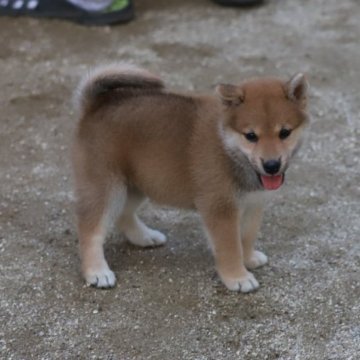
(296, 89)
(230, 95)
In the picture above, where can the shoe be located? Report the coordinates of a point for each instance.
(120, 11)
(239, 2)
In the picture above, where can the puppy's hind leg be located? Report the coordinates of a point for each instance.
(96, 212)
(134, 229)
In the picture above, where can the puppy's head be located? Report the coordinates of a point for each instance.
(264, 119)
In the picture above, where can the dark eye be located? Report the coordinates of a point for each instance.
(284, 133)
(252, 137)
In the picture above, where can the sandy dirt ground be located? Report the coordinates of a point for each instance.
(168, 303)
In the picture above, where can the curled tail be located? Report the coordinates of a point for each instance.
(108, 78)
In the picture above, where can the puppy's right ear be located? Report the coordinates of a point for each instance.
(230, 95)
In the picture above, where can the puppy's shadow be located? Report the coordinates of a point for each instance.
(185, 250)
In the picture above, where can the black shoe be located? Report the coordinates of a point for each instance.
(239, 2)
(120, 11)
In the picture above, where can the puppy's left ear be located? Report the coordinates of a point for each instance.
(230, 95)
(297, 88)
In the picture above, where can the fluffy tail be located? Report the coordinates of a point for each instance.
(107, 78)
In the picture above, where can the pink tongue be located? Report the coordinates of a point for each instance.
(272, 182)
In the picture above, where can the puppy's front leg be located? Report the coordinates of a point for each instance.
(250, 224)
(224, 233)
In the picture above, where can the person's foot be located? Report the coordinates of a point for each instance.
(119, 11)
(239, 2)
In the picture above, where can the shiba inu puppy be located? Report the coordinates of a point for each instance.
(217, 154)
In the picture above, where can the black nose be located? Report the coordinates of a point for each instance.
(272, 166)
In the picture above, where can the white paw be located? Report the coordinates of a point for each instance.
(257, 259)
(146, 237)
(243, 284)
(101, 278)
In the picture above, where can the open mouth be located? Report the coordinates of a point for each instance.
(271, 182)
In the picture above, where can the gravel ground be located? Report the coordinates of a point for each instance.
(169, 303)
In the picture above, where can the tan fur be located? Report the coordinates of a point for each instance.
(135, 139)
